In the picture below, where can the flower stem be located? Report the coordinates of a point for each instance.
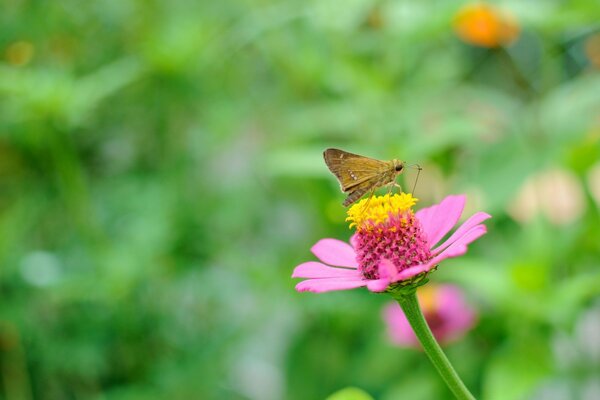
(410, 306)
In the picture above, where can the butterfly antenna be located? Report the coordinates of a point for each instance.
(417, 178)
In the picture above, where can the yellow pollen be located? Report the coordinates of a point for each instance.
(377, 209)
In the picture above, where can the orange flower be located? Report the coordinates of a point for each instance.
(592, 49)
(484, 25)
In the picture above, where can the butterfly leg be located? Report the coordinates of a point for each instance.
(390, 187)
(364, 208)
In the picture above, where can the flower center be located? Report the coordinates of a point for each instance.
(377, 209)
(386, 229)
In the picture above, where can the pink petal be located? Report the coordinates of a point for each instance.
(386, 269)
(459, 247)
(335, 252)
(313, 269)
(353, 241)
(379, 285)
(329, 284)
(439, 219)
(414, 271)
(475, 219)
(387, 274)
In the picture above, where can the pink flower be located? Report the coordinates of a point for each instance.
(392, 244)
(447, 313)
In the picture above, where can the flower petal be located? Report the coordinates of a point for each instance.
(353, 241)
(413, 271)
(313, 269)
(329, 284)
(335, 252)
(475, 219)
(379, 285)
(437, 220)
(459, 247)
(387, 274)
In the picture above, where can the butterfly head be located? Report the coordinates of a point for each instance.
(398, 165)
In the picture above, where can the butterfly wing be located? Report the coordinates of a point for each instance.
(354, 171)
(358, 191)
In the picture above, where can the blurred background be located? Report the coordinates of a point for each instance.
(161, 175)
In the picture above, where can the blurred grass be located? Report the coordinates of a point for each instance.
(161, 174)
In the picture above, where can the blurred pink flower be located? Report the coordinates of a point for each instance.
(447, 313)
(391, 244)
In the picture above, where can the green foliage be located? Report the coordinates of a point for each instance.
(350, 393)
(161, 175)
(516, 369)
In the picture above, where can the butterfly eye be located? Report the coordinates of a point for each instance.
(399, 167)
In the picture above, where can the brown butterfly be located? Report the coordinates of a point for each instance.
(358, 174)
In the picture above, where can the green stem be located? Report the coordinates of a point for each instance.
(410, 306)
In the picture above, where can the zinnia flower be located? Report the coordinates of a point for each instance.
(392, 246)
(447, 313)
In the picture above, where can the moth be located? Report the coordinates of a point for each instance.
(359, 174)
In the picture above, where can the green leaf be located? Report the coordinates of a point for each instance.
(350, 393)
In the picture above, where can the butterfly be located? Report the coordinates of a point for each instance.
(358, 174)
